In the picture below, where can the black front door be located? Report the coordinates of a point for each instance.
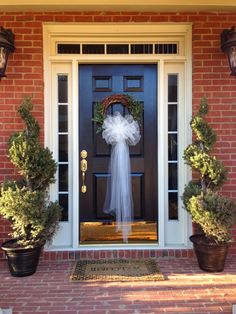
(97, 82)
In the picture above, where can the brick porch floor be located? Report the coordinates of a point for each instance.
(186, 290)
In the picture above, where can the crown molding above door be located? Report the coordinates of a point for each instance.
(119, 5)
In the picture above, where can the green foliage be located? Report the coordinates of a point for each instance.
(203, 109)
(203, 132)
(32, 125)
(135, 108)
(192, 189)
(212, 171)
(99, 116)
(213, 212)
(34, 162)
(25, 202)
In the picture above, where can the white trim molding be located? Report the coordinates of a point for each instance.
(170, 234)
(119, 5)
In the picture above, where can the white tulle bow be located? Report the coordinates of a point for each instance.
(120, 132)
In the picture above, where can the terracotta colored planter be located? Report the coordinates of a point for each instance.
(22, 262)
(211, 256)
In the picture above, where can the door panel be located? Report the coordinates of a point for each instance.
(97, 82)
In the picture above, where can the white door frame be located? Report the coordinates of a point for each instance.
(171, 234)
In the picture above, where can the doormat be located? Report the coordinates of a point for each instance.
(5, 311)
(116, 270)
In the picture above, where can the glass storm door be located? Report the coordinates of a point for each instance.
(95, 83)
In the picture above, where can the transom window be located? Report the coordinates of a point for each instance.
(136, 48)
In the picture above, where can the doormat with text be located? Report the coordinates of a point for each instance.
(116, 270)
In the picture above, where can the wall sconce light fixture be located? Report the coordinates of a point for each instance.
(6, 47)
(228, 46)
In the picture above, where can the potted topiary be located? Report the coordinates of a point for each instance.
(25, 202)
(214, 213)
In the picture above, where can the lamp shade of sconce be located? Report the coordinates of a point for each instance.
(228, 46)
(6, 47)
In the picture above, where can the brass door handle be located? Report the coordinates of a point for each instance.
(83, 168)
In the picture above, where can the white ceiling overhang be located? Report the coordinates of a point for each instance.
(119, 5)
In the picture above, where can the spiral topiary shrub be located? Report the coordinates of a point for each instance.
(213, 212)
(25, 202)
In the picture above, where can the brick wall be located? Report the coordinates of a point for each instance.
(210, 76)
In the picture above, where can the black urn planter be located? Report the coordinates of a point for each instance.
(210, 256)
(22, 262)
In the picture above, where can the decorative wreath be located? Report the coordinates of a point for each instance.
(134, 107)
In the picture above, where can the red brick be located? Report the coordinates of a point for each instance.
(84, 19)
(103, 19)
(140, 18)
(63, 19)
(121, 18)
(159, 18)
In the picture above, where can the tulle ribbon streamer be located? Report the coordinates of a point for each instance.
(120, 132)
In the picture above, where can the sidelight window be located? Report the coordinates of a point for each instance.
(63, 162)
(173, 146)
